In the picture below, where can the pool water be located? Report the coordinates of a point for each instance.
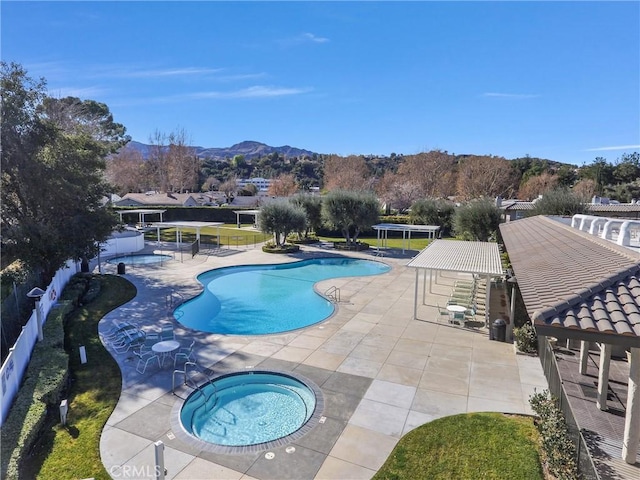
(248, 408)
(266, 299)
(143, 259)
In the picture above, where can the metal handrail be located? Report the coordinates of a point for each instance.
(333, 293)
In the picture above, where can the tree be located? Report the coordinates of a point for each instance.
(313, 209)
(229, 188)
(183, 163)
(397, 192)
(486, 176)
(477, 220)
(346, 173)
(283, 186)
(53, 176)
(600, 171)
(560, 201)
(431, 172)
(627, 169)
(126, 171)
(431, 211)
(585, 188)
(280, 218)
(538, 185)
(351, 212)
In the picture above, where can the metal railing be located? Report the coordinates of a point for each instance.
(586, 467)
(333, 293)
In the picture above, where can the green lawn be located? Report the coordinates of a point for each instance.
(469, 446)
(73, 451)
(416, 243)
(230, 235)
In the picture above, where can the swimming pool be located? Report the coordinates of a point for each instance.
(142, 259)
(248, 408)
(265, 299)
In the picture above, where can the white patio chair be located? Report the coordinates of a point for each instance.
(144, 358)
(186, 353)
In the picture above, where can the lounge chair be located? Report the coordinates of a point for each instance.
(185, 353)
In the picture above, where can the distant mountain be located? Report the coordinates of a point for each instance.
(249, 149)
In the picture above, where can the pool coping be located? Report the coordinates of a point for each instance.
(202, 445)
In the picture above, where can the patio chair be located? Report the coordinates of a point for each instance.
(167, 333)
(150, 340)
(184, 352)
(144, 358)
(116, 332)
(458, 318)
(442, 312)
(133, 340)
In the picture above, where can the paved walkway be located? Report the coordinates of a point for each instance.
(381, 373)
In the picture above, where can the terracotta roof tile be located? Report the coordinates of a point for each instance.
(572, 280)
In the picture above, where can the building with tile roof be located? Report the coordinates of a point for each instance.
(580, 286)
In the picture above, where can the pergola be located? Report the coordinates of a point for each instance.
(180, 225)
(582, 287)
(383, 230)
(141, 213)
(253, 213)
(477, 258)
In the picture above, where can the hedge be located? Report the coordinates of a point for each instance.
(42, 387)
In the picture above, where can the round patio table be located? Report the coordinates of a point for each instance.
(165, 348)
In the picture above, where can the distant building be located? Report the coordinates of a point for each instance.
(262, 184)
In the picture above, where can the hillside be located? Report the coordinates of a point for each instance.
(249, 149)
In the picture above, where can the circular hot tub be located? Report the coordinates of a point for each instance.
(246, 409)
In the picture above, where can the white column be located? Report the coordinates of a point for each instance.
(512, 314)
(584, 357)
(631, 437)
(424, 285)
(603, 376)
(415, 297)
(487, 318)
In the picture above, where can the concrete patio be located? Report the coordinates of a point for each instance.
(381, 374)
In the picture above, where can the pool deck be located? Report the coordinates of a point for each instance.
(381, 372)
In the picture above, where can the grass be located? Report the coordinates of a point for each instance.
(416, 243)
(73, 451)
(230, 235)
(468, 446)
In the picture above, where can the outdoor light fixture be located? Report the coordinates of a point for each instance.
(37, 293)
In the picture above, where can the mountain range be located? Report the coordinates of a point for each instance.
(249, 149)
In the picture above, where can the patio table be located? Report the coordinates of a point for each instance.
(165, 348)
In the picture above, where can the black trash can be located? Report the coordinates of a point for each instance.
(499, 330)
(121, 268)
(84, 266)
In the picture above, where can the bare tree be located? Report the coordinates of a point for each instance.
(158, 161)
(397, 191)
(486, 176)
(229, 187)
(585, 188)
(283, 185)
(346, 173)
(125, 171)
(183, 164)
(431, 171)
(537, 185)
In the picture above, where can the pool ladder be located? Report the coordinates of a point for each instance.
(333, 294)
(194, 385)
(173, 299)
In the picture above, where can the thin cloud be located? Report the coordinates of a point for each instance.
(302, 38)
(168, 72)
(616, 147)
(314, 38)
(510, 95)
(257, 91)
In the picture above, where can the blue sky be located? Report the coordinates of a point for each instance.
(557, 80)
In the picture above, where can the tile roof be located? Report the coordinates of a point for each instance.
(458, 256)
(572, 282)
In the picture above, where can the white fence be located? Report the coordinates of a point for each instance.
(16, 362)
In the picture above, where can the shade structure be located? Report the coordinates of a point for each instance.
(478, 258)
(383, 230)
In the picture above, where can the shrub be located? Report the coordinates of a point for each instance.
(559, 450)
(43, 383)
(526, 338)
(477, 220)
(431, 211)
